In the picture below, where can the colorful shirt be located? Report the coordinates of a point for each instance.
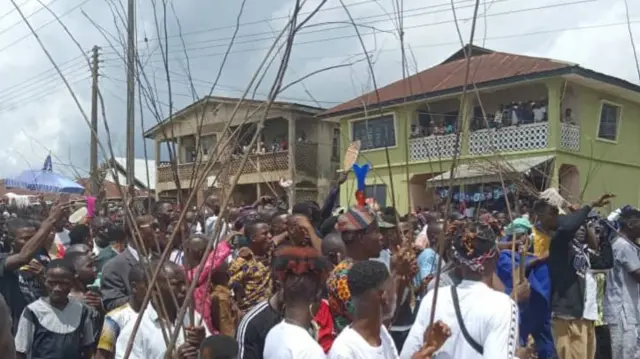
(201, 295)
(250, 278)
(225, 311)
(339, 295)
(113, 323)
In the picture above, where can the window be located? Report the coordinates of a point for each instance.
(377, 192)
(609, 119)
(189, 149)
(207, 144)
(374, 133)
(335, 144)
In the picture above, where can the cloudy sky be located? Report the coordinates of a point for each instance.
(38, 114)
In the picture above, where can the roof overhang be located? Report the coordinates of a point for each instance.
(475, 173)
(286, 106)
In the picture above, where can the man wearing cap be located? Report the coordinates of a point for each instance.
(360, 232)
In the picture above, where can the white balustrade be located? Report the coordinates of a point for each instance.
(570, 137)
(520, 138)
(432, 147)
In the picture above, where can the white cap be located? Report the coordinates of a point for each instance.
(78, 215)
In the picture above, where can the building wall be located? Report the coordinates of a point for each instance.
(603, 166)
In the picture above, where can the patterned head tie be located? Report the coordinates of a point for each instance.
(299, 261)
(356, 218)
(472, 244)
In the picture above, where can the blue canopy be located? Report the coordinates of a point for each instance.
(44, 180)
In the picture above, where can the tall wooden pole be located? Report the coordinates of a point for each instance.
(95, 186)
(131, 66)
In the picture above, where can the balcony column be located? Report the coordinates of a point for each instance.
(554, 93)
(466, 113)
(157, 159)
(292, 159)
(178, 153)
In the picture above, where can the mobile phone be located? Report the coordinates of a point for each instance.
(93, 289)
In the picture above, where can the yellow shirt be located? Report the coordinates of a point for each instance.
(541, 242)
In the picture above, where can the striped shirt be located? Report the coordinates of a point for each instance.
(253, 329)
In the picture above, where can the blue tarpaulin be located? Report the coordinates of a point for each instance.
(44, 180)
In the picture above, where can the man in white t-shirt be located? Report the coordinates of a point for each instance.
(483, 321)
(374, 300)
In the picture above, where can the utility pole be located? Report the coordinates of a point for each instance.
(95, 186)
(131, 93)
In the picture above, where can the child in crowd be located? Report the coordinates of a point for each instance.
(56, 326)
(224, 311)
(219, 347)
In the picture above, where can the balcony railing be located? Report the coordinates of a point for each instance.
(432, 147)
(529, 137)
(306, 161)
(521, 138)
(570, 137)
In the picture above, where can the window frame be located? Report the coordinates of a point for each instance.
(618, 120)
(374, 188)
(373, 117)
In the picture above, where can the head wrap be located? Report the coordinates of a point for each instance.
(518, 226)
(472, 244)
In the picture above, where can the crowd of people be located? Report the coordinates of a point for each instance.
(505, 115)
(311, 282)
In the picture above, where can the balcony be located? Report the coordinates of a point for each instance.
(432, 147)
(510, 139)
(570, 137)
(521, 138)
(270, 165)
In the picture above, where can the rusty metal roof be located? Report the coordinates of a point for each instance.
(485, 67)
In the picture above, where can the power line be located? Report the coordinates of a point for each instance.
(384, 18)
(306, 32)
(183, 81)
(370, 33)
(502, 37)
(20, 39)
(47, 73)
(39, 96)
(16, 91)
(20, 21)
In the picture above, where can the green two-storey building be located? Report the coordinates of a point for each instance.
(556, 123)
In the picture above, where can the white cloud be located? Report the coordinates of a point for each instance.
(38, 114)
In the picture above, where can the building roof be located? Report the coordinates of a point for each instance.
(473, 173)
(292, 106)
(140, 172)
(487, 68)
(110, 188)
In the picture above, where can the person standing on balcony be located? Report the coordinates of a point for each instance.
(538, 113)
(568, 117)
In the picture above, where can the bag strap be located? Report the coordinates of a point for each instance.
(456, 305)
